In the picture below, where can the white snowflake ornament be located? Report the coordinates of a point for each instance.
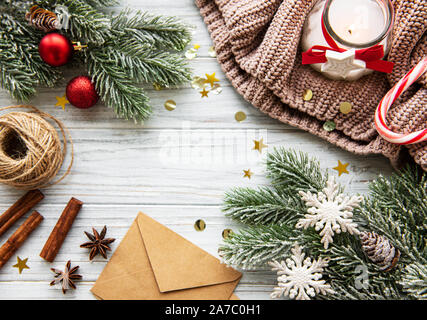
(300, 278)
(329, 211)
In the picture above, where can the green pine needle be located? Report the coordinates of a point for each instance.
(255, 246)
(295, 170)
(115, 88)
(262, 206)
(145, 65)
(21, 68)
(155, 31)
(21, 82)
(87, 24)
(414, 280)
(123, 51)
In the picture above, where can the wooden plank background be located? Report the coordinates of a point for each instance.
(174, 168)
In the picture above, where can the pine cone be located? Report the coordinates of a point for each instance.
(379, 250)
(42, 19)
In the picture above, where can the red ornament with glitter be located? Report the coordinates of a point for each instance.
(81, 92)
(55, 49)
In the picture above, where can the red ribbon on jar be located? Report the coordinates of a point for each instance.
(370, 56)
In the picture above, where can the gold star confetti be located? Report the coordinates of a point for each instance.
(200, 83)
(204, 93)
(200, 225)
(211, 79)
(341, 168)
(212, 52)
(170, 105)
(196, 46)
(226, 233)
(21, 265)
(248, 173)
(259, 145)
(61, 102)
(240, 116)
(345, 107)
(307, 95)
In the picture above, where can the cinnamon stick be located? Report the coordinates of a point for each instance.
(19, 208)
(60, 231)
(17, 239)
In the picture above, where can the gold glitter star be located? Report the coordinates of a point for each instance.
(248, 173)
(196, 46)
(211, 79)
(204, 93)
(341, 168)
(259, 145)
(62, 101)
(21, 265)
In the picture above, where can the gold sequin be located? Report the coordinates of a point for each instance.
(240, 116)
(226, 233)
(200, 225)
(345, 107)
(307, 95)
(170, 105)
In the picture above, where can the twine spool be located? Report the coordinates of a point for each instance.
(31, 152)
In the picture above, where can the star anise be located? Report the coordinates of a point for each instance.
(66, 277)
(97, 243)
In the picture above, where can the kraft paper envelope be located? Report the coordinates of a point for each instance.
(154, 263)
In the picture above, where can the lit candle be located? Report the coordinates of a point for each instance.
(352, 24)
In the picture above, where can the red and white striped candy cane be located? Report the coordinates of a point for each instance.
(387, 101)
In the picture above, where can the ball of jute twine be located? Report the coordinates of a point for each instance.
(31, 152)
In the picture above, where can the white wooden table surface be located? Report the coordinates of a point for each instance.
(174, 168)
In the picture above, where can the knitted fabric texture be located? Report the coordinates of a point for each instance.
(257, 45)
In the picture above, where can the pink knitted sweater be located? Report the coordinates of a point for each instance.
(257, 45)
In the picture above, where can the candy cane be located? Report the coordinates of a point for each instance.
(388, 100)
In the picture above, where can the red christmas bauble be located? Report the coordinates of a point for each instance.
(55, 49)
(81, 92)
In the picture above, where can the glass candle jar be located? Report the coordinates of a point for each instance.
(352, 25)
